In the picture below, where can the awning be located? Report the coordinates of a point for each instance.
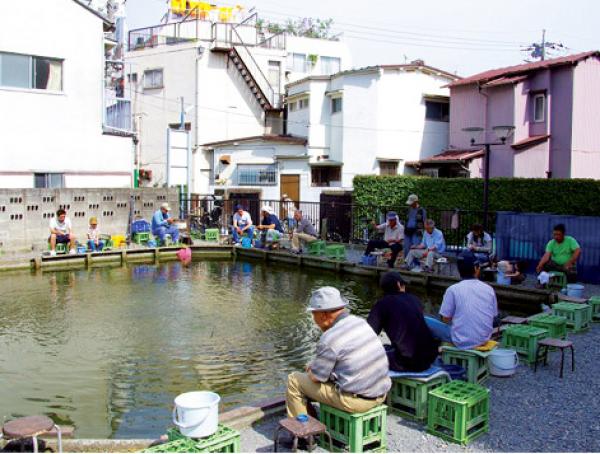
(436, 97)
(530, 142)
(326, 163)
(389, 159)
(449, 157)
(334, 93)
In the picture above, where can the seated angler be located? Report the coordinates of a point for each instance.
(468, 308)
(400, 315)
(562, 253)
(242, 224)
(93, 236)
(350, 369)
(270, 227)
(61, 232)
(480, 243)
(393, 237)
(304, 232)
(162, 224)
(431, 247)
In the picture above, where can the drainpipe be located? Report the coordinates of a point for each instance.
(285, 119)
(548, 124)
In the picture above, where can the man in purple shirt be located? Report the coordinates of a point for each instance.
(468, 308)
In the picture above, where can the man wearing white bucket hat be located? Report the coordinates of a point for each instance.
(270, 226)
(350, 370)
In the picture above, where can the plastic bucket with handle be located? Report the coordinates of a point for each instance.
(575, 290)
(503, 362)
(196, 413)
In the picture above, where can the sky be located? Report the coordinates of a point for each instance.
(459, 36)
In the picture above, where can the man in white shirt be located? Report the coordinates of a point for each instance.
(242, 224)
(392, 238)
(61, 232)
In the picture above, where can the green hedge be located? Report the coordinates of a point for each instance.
(577, 196)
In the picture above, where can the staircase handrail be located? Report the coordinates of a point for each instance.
(255, 71)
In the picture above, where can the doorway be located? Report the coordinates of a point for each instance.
(290, 185)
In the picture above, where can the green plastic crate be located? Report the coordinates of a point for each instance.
(355, 432)
(61, 248)
(578, 316)
(141, 237)
(335, 251)
(211, 235)
(594, 301)
(223, 440)
(408, 396)
(317, 247)
(558, 280)
(474, 362)
(523, 339)
(458, 411)
(556, 325)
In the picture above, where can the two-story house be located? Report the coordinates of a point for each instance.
(59, 126)
(227, 74)
(362, 121)
(554, 106)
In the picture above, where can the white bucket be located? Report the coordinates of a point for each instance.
(503, 362)
(196, 413)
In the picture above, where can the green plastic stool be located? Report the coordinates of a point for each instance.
(594, 301)
(141, 237)
(211, 235)
(458, 411)
(558, 280)
(523, 339)
(61, 248)
(556, 325)
(408, 397)
(355, 432)
(473, 361)
(335, 252)
(317, 247)
(223, 440)
(578, 316)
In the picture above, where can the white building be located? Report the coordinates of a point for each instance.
(231, 77)
(373, 120)
(59, 128)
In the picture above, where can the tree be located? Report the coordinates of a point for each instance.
(306, 27)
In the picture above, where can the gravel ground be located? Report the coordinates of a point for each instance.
(528, 412)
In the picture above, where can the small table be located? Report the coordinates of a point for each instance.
(306, 430)
(557, 343)
(30, 426)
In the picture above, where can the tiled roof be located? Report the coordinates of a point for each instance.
(449, 156)
(530, 141)
(517, 70)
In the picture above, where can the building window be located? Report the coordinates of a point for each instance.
(26, 71)
(256, 175)
(539, 108)
(330, 65)
(326, 176)
(292, 106)
(298, 63)
(437, 111)
(388, 168)
(153, 79)
(303, 103)
(336, 105)
(48, 180)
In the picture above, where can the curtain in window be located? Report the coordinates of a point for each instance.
(330, 65)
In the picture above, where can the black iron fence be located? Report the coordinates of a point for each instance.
(343, 222)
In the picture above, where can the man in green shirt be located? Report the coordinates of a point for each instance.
(561, 254)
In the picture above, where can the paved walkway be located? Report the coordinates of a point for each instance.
(528, 412)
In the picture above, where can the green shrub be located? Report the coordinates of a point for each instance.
(576, 197)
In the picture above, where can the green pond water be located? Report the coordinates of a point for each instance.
(108, 349)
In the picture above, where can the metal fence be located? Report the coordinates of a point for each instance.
(343, 222)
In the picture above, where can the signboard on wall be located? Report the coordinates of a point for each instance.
(179, 157)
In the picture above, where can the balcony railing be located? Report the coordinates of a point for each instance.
(254, 175)
(117, 113)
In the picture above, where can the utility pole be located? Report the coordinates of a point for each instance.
(543, 44)
(182, 116)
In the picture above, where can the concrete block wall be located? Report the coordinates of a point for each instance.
(25, 213)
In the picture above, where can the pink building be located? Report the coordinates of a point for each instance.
(554, 106)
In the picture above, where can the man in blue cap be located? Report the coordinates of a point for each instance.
(393, 237)
(242, 224)
(468, 308)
